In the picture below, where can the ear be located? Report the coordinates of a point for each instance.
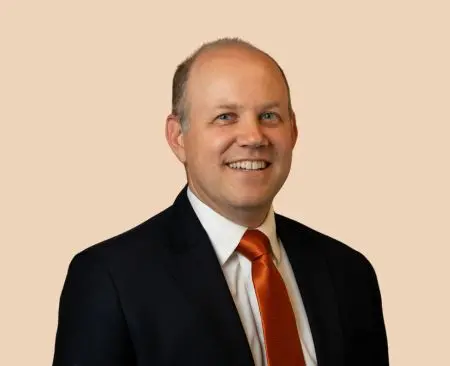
(175, 137)
(294, 129)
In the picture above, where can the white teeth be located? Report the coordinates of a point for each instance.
(248, 165)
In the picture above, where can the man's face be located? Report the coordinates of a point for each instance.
(238, 146)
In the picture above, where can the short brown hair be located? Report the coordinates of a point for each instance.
(181, 75)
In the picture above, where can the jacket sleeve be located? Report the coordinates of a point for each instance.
(371, 343)
(91, 325)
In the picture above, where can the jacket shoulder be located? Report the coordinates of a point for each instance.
(147, 235)
(335, 251)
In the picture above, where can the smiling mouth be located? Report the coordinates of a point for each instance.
(249, 165)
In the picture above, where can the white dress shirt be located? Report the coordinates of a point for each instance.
(225, 236)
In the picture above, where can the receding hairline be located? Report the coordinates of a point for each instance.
(216, 49)
(179, 104)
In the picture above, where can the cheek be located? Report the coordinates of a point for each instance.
(204, 151)
(282, 141)
(220, 145)
(214, 143)
(283, 151)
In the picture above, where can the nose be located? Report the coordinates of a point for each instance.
(251, 134)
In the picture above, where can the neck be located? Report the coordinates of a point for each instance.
(251, 217)
(248, 218)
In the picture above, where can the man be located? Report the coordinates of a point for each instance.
(219, 278)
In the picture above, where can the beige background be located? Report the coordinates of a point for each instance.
(84, 92)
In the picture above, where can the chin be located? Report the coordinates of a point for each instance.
(250, 200)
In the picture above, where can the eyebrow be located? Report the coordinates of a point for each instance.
(270, 105)
(236, 106)
(229, 106)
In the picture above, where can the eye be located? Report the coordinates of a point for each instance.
(269, 116)
(226, 117)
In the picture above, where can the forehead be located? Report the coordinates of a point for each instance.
(235, 75)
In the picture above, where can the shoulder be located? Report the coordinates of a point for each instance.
(338, 255)
(348, 269)
(126, 248)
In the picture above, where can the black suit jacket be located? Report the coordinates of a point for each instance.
(156, 296)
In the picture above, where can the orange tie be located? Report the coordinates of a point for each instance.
(283, 347)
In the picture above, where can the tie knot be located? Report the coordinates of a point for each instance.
(254, 244)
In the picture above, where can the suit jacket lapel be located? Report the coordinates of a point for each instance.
(196, 268)
(316, 289)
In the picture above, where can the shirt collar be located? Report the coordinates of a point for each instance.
(225, 234)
